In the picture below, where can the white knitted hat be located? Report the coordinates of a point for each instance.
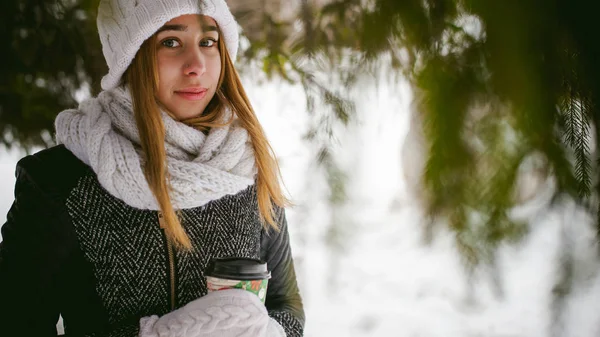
(123, 25)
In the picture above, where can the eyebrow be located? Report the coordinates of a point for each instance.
(184, 28)
(208, 28)
(179, 28)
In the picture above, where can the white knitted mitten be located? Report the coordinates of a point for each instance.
(231, 312)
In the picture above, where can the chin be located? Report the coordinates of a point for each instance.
(186, 115)
(183, 111)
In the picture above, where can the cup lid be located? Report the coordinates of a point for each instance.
(235, 268)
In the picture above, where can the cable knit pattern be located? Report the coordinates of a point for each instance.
(226, 313)
(103, 134)
(123, 25)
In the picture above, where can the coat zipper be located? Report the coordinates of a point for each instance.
(162, 224)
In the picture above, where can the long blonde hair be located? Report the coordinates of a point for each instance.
(142, 78)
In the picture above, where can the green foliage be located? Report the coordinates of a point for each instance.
(494, 82)
(43, 65)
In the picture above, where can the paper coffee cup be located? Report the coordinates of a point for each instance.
(238, 273)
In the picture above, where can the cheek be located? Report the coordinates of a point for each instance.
(215, 70)
(166, 72)
(218, 68)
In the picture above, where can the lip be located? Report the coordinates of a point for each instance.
(192, 93)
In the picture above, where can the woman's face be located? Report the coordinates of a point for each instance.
(189, 64)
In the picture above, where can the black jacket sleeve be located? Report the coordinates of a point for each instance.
(42, 271)
(283, 297)
(30, 262)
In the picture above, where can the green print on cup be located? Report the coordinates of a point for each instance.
(238, 273)
(257, 287)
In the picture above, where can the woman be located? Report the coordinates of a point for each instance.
(167, 168)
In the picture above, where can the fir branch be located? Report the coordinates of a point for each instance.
(582, 154)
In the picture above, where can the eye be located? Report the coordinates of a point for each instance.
(208, 42)
(170, 43)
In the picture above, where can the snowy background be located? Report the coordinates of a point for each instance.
(375, 276)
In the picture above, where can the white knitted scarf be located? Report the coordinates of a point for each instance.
(103, 134)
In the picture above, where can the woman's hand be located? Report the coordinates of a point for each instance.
(231, 312)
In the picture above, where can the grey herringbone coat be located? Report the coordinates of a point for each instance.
(71, 248)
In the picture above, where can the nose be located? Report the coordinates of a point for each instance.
(194, 64)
